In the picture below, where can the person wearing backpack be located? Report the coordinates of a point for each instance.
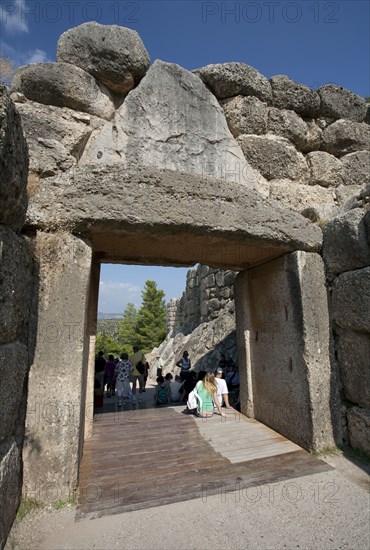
(162, 393)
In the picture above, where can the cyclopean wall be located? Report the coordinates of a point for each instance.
(16, 290)
(144, 165)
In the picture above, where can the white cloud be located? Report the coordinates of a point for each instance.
(37, 56)
(22, 58)
(114, 296)
(13, 17)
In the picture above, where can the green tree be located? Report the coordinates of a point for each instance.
(127, 329)
(151, 317)
(106, 344)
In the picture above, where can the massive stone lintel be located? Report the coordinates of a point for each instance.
(283, 338)
(144, 215)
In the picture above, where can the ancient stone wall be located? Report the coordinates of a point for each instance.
(119, 172)
(208, 291)
(312, 146)
(346, 251)
(16, 289)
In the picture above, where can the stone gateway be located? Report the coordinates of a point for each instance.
(121, 161)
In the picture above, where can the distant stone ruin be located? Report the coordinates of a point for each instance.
(106, 158)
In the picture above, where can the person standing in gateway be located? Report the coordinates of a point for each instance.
(185, 365)
(138, 361)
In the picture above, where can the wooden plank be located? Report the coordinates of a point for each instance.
(160, 456)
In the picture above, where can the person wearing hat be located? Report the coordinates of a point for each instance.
(222, 391)
(159, 364)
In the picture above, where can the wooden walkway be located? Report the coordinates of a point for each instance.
(147, 457)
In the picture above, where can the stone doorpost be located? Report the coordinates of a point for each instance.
(283, 345)
(55, 406)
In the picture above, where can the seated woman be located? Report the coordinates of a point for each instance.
(207, 391)
(162, 392)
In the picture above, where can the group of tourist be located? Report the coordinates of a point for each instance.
(210, 390)
(118, 374)
(123, 376)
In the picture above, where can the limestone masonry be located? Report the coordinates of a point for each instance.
(106, 158)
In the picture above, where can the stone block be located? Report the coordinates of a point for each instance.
(355, 168)
(274, 157)
(345, 136)
(298, 196)
(232, 79)
(13, 164)
(353, 351)
(149, 129)
(64, 85)
(287, 124)
(246, 230)
(210, 280)
(14, 368)
(359, 428)
(287, 94)
(15, 285)
(283, 333)
(56, 136)
(10, 485)
(54, 420)
(337, 102)
(114, 55)
(220, 278)
(351, 300)
(245, 115)
(324, 169)
(345, 244)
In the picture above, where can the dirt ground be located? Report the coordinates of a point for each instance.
(326, 511)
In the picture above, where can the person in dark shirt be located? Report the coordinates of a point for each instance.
(100, 369)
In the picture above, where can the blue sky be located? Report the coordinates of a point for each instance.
(314, 42)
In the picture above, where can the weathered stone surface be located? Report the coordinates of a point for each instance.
(10, 485)
(351, 300)
(289, 125)
(320, 213)
(180, 205)
(13, 164)
(274, 157)
(245, 115)
(15, 285)
(338, 102)
(114, 55)
(231, 79)
(353, 349)
(64, 85)
(324, 169)
(352, 196)
(344, 136)
(367, 225)
(285, 343)
(54, 419)
(151, 129)
(204, 343)
(56, 136)
(345, 245)
(287, 94)
(297, 197)
(14, 367)
(359, 428)
(367, 117)
(356, 168)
